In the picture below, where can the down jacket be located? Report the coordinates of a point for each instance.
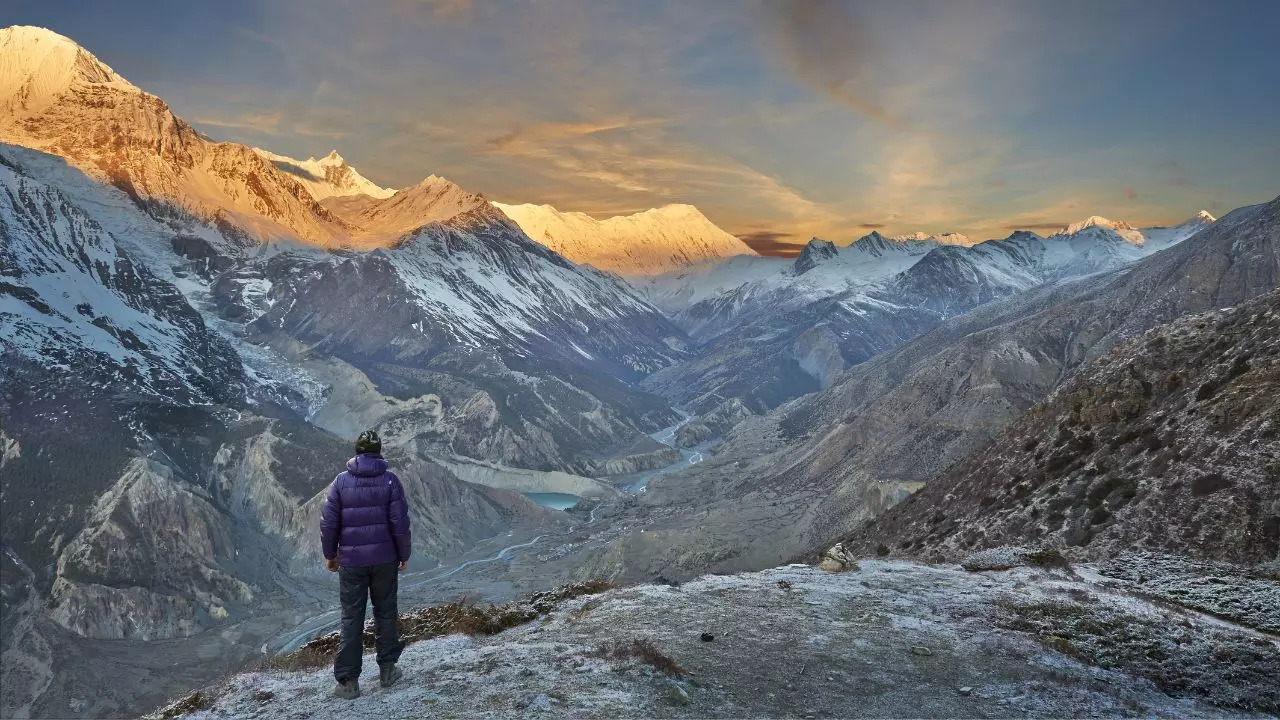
(366, 519)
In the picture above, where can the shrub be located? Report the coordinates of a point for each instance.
(645, 651)
(440, 620)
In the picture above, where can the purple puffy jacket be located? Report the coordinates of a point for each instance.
(366, 519)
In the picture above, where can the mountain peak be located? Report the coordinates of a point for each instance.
(1095, 221)
(944, 238)
(37, 65)
(329, 176)
(651, 242)
(815, 252)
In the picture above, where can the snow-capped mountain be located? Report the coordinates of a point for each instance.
(382, 222)
(37, 67)
(454, 287)
(837, 307)
(946, 238)
(1119, 227)
(327, 177)
(644, 244)
(60, 99)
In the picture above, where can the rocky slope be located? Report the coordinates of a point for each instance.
(647, 243)
(72, 296)
(813, 470)
(1170, 442)
(483, 344)
(913, 640)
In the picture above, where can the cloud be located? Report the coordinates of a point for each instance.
(273, 123)
(1130, 193)
(772, 242)
(435, 9)
(267, 123)
(554, 132)
(871, 226)
(1038, 225)
(827, 49)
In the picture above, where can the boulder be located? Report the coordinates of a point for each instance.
(837, 559)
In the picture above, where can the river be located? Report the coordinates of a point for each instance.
(636, 482)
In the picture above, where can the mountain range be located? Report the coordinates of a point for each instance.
(192, 331)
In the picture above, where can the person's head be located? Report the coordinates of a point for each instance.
(368, 443)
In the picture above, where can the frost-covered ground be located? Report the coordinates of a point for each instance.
(892, 639)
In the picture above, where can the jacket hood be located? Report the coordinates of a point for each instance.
(367, 465)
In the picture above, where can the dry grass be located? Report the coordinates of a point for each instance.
(461, 616)
(645, 651)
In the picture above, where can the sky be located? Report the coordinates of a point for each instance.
(780, 119)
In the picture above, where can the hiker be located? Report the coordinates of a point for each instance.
(364, 534)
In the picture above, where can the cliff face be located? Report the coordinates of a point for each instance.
(146, 564)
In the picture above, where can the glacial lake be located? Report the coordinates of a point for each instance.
(554, 500)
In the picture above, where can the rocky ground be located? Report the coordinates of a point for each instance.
(889, 639)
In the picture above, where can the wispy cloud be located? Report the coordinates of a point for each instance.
(555, 132)
(771, 242)
(1038, 225)
(267, 123)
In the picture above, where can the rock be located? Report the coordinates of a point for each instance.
(675, 693)
(921, 650)
(708, 637)
(784, 585)
(1007, 557)
(838, 559)
(540, 703)
(965, 690)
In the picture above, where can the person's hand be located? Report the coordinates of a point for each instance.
(403, 564)
(331, 564)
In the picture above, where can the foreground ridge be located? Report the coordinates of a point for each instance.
(891, 636)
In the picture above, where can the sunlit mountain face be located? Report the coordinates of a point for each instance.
(652, 306)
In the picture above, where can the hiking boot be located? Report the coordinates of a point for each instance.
(349, 690)
(389, 674)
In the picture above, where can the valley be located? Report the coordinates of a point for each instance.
(193, 332)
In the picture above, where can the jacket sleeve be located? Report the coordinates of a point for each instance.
(331, 521)
(398, 514)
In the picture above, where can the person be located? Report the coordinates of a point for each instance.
(365, 537)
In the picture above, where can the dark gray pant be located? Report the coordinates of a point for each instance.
(357, 586)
